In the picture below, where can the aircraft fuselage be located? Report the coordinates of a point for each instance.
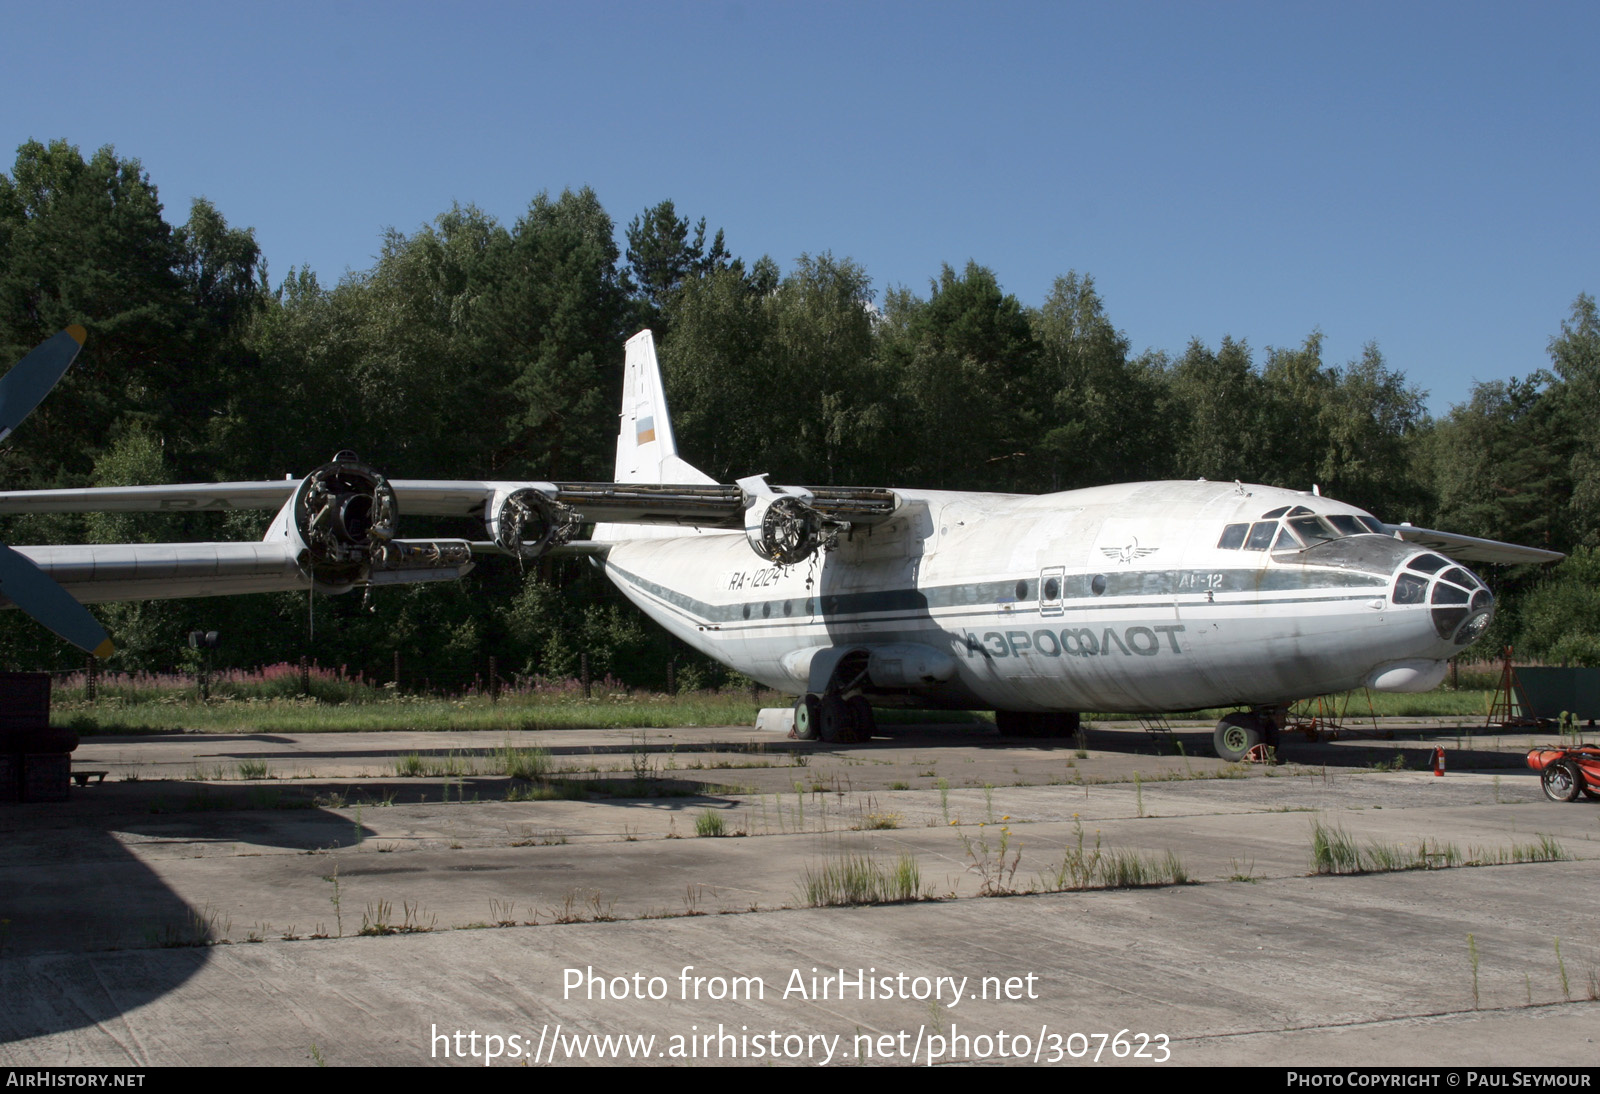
(1133, 597)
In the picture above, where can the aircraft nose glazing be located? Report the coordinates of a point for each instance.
(1459, 603)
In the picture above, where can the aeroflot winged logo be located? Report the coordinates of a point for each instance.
(1126, 555)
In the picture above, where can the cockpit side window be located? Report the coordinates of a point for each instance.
(1261, 534)
(1233, 537)
(1312, 530)
(1346, 524)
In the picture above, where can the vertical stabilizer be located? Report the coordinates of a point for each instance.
(646, 451)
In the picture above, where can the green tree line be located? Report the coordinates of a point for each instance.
(474, 348)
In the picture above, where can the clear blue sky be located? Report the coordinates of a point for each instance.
(1419, 175)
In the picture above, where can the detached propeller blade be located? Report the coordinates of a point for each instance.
(37, 593)
(26, 385)
(22, 582)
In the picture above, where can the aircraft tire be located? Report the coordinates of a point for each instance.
(834, 719)
(862, 722)
(1561, 781)
(808, 717)
(1014, 723)
(1059, 724)
(1235, 736)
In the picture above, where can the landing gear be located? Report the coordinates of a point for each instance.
(833, 718)
(1238, 733)
(808, 718)
(861, 717)
(1036, 724)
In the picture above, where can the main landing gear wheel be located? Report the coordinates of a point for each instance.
(808, 717)
(1561, 781)
(1236, 735)
(863, 723)
(835, 720)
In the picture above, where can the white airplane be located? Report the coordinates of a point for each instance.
(1143, 597)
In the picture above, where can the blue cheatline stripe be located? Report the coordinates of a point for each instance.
(893, 605)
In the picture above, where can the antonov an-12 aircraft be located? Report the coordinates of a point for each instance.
(1142, 597)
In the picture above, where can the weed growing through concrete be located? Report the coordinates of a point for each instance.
(709, 823)
(1561, 965)
(1334, 851)
(996, 864)
(336, 898)
(861, 879)
(253, 769)
(1472, 957)
(528, 764)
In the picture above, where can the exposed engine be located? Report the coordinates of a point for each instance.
(346, 516)
(784, 529)
(526, 523)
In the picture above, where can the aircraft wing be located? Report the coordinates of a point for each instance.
(527, 519)
(199, 497)
(1471, 548)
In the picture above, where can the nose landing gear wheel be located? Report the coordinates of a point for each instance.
(1236, 735)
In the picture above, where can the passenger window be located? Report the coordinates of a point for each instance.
(1233, 537)
(1261, 534)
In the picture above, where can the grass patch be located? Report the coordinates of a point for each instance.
(1096, 867)
(861, 879)
(709, 823)
(1335, 851)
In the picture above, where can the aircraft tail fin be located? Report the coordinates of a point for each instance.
(646, 449)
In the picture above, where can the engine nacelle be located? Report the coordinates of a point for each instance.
(782, 528)
(527, 524)
(342, 524)
(342, 512)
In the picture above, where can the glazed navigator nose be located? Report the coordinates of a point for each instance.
(1460, 605)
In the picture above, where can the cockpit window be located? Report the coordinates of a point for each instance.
(1373, 525)
(1312, 530)
(1303, 528)
(1261, 534)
